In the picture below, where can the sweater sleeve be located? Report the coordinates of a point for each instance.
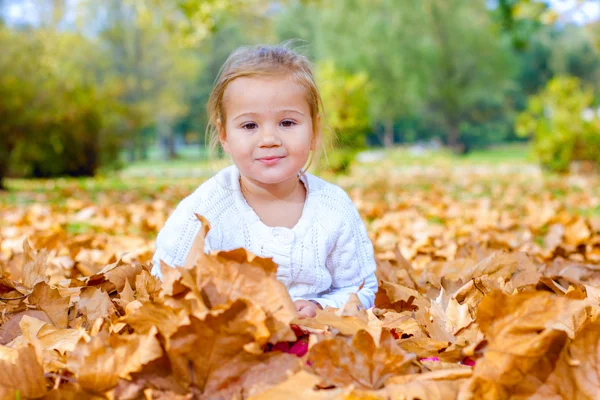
(337, 298)
(174, 239)
(351, 261)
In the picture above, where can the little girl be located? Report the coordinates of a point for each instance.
(265, 110)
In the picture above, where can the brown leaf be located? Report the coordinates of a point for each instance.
(213, 281)
(71, 391)
(21, 372)
(577, 233)
(239, 274)
(126, 295)
(331, 319)
(299, 386)
(52, 303)
(526, 334)
(98, 370)
(9, 329)
(224, 337)
(93, 304)
(34, 265)
(403, 324)
(147, 287)
(52, 343)
(113, 276)
(48, 336)
(361, 363)
(426, 389)
(166, 319)
(577, 372)
(247, 375)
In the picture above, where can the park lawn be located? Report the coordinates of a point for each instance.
(151, 179)
(190, 167)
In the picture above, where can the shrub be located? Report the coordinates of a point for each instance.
(563, 123)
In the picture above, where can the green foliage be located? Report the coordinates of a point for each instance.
(55, 119)
(520, 19)
(563, 124)
(346, 96)
(195, 21)
(346, 122)
(424, 60)
(149, 66)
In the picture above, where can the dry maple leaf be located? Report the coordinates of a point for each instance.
(52, 303)
(21, 372)
(34, 265)
(577, 372)
(9, 329)
(425, 389)
(301, 385)
(54, 344)
(144, 316)
(348, 320)
(113, 276)
(361, 362)
(94, 304)
(206, 353)
(526, 334)
(99, 364)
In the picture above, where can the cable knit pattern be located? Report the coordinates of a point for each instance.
(325, 257)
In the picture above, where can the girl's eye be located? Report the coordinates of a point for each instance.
(249, 126)
(287, 123)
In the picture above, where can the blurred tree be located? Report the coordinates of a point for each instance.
(56, 120)
(521, 19)
(205, 17)
(149, 67)
(563, 123)
(468, 67)
(17, 92)
(574, 54)
(440, 61)
(345, 123)
(372, 37)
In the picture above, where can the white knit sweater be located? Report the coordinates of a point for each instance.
(324, 258)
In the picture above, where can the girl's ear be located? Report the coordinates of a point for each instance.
(222, 136)
(317, 133)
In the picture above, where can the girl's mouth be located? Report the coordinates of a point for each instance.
(270, 160)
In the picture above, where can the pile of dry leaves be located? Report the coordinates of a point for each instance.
(490, 324)
(487, 291)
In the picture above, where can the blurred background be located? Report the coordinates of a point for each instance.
(100, 87)
(459, 122)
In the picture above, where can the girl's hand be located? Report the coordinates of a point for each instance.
(306, 309)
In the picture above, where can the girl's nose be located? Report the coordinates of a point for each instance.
(269, 138)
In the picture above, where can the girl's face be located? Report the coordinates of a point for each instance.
(268, 129)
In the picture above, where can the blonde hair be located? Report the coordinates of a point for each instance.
(263, 60)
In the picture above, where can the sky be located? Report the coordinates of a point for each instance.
(589, 10)
(586, 12)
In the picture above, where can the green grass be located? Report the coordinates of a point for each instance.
(515, 154)
(151, 179)
(78, 227)
(192, 167)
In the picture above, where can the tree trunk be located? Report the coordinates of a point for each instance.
(172, 154)
(454, 141)
(4, 157)
(165, 132)
(388, 134)
(131, 151)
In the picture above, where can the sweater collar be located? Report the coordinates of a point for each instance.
(252, 219)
